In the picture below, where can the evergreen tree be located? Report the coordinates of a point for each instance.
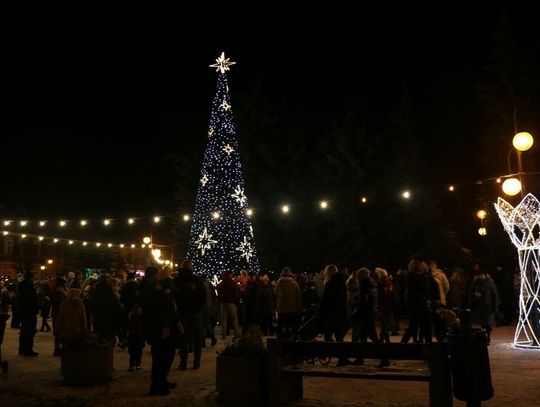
(221, 237)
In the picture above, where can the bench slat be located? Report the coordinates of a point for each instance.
(407, 375)
(398, 351)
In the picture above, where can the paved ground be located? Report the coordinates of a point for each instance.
(37, 382)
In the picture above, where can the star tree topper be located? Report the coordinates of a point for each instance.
(205, 241)
(222, 64)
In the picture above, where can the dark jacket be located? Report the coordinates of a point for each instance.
(334, 299)
(129, 295)
(27, 299)
(420, 289)
(228, 291)
(158, 311)
(483, 300)
(190, 293)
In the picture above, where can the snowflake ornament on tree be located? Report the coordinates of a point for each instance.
(228, 149)
(245, 248)
(239, 196)
(205, 241)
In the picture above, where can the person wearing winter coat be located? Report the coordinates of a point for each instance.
(229, 298)
(386, 303)
(267, 306)
(333, 308)
(106, 311)
(161, 329)
(442, 281)
(209, 313)
(70, 323)
(44, 300)
(289, 303)
(58, 297)
(484, 301)
(135, 337)
(190, 302)
(422, 291)
(28, 306)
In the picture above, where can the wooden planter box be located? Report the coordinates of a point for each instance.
(241, 380)
(92, 365)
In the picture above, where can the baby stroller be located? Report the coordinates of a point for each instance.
(309, 328)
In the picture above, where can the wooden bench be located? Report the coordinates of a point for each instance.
(285, 374)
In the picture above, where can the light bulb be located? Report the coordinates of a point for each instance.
(523, 141)
(481, 214)
(511, 186)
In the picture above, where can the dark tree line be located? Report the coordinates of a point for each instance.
(353, 154)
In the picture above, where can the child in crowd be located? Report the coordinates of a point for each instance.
(135, 339)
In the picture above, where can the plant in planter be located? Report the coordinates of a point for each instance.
(87, 361)
(241, 368)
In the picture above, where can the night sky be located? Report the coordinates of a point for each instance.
(95, 99)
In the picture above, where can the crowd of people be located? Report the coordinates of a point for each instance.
(179, 312)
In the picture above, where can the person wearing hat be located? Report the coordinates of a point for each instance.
(289, 303)
(71, 319)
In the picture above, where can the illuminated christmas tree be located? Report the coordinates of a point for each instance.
(221, 237)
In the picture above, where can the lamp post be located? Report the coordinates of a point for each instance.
(521, 222)
(522, 141)
(482, 214)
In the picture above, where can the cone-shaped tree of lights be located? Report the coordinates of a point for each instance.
(221, 237)
(522, 224)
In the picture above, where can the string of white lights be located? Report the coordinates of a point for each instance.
(285, 208)
(81, 222)
(83, 243)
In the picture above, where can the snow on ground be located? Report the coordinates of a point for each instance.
(33, 382)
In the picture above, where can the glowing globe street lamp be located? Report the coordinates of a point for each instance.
(511, 186)
(522, 141)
